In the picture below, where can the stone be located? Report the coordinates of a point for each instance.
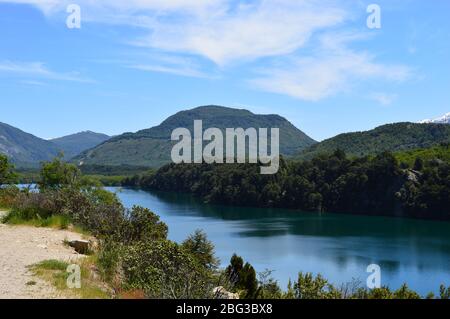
(221, 293)
(80, 246)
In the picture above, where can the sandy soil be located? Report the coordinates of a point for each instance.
(21, 246)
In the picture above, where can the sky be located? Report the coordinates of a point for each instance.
(133, 63)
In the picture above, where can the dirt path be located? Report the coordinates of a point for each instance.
(21, 246)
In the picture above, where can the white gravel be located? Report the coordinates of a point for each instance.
(21, 246)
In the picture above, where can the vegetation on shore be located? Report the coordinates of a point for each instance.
(135, 258)
(372, 185)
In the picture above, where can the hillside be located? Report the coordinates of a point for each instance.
(27, 150)
(439, 152)
(24, 149)
(152, 147)
(391, 137)
(74, 144)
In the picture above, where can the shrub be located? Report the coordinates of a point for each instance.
(8, 196)
(141, 224)
(163, 269)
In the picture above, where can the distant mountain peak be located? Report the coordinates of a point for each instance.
(27, 150)
(74, 144)
(445, 119)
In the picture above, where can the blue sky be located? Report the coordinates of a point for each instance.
(133, 63)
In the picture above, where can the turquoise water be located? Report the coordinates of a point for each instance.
(340, 247)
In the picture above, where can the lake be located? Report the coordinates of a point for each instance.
(340, 247)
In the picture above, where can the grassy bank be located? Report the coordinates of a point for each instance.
(55, 272)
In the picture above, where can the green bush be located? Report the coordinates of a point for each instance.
(163, 269)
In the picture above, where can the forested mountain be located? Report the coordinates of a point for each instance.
(74, 144)
(152, 147)
(391, 137)
(24, 149)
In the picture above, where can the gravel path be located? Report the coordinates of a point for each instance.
(21, 246)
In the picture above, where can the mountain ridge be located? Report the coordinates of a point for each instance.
(393, 137)
(24, 149)
(152, 146)
(27, 150)
(74, 144)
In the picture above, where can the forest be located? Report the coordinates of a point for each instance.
(370, 185)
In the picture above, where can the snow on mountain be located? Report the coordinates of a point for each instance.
(441, 120)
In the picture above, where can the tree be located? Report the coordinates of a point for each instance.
(7, 174)
(202, 249)
(418, 164)
(57, 174)
(235, 267)
(242, 277)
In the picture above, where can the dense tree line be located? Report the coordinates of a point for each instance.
(376, 185)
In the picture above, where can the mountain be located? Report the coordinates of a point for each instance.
(445, 119)
(24, 149)
(27, 150)
(391, 137)
(152, 147)
(74, 144)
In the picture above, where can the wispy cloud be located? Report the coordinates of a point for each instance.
(219, 30)
(171, 70)
(333, 68)
(247, 32)
(177, 65)
(384, 99)
(229, 32)
(39, 70)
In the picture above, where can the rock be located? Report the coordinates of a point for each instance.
(80, 246)
(222, 293)
(413, 176)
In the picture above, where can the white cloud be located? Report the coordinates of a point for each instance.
(39, 70)
(219, 30)
(332, 69)
(227, 32)
(177, 70)
(268, 28)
